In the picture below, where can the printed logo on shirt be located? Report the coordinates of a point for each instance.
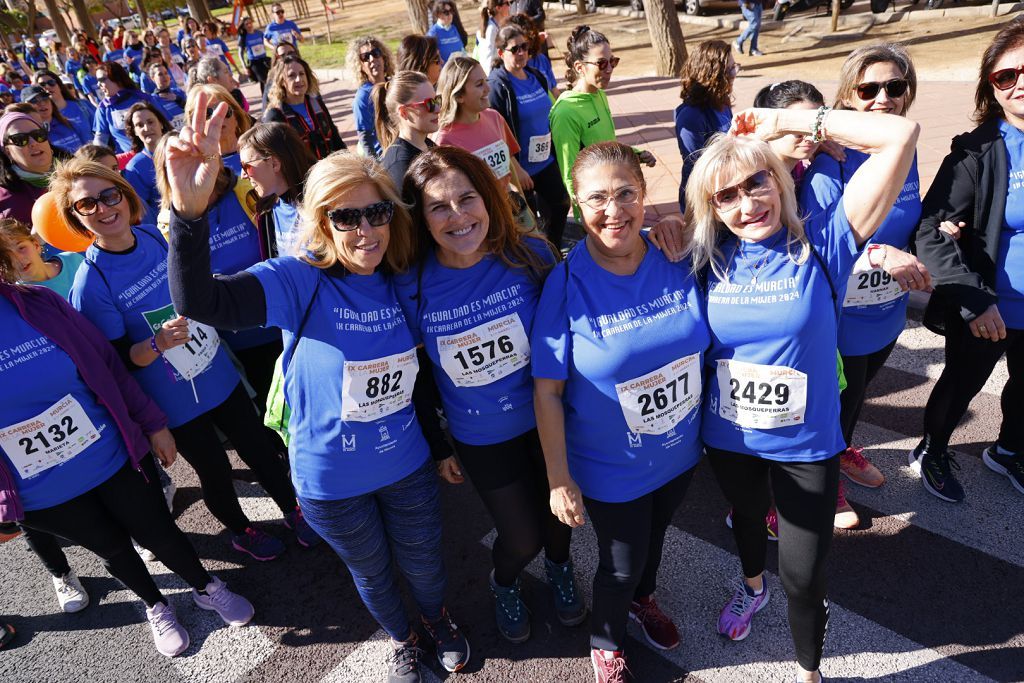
(761, 292)
(635, 440)
(24, 352)
(348, 442)
(636, 317)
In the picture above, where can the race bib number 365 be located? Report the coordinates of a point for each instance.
(761, 396)
(372, 389)
(656, 402)
(52, 437)
(485, 353)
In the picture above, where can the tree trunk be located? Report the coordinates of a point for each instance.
(419, 16)
(143, 14)
(31, 14)
(666, 36)
(63, 35)
(84, 20)
(581, 7)
(199, 10)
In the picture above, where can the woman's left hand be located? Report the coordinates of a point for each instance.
(450, 471)
(163, 446)
(907, 270)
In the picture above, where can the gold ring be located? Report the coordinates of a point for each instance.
(211, 157)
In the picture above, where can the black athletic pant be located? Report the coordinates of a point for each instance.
(512, 481)
(969, 362)
(859, 371)
(258, 363)
(260, 67)
(805, 499)
(106, 519)
(548, 184)
(198, 443)
(47, 548)
(630, 537)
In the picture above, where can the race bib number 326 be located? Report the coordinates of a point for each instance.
(52, 437)
(656, 402)
(761, 396)
(372, 389)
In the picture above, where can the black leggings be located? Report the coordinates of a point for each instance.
(630, 537)
(859, 371)
(260, 67)
(198, 443)
(805, 498)
(512, 481)
(969, 362)
(258, 363)
(548, 184)
(105, 519)
(47, 548)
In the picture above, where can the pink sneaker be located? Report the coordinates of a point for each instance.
(734, 621)
(232, 607)
(610, 667)
(846, 517)
(858, 469)
(771, 523)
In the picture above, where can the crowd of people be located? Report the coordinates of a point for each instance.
(361, 323)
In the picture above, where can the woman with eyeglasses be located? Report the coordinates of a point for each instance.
(26, 161)
(360, 464)
(470, 248)
(293, 97)
(63, 135)
(521, 94)
(236, 123)
(771, 416)
(420, 53)
(145, 124)
(447, 29)
(706, 91)
(79, 112)
(87, 474)
(407, 111)
(493, 15)
(119, 94)
(879, 79)
(617, 353)
(581, 116)
(370, 63)
(253, 52)
(978, 303)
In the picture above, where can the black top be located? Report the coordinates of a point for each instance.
(398, 157)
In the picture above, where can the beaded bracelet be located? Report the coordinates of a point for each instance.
(818, 129)
(152, 345)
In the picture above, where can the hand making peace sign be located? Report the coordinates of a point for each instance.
(194, 161)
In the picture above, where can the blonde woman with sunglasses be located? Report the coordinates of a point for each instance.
(407, 111)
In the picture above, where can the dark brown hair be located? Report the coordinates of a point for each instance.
(986, 108)
(281, 141)
(577, 46)
(705, 81)
(417, 53)
(611, 154)
(129, 124)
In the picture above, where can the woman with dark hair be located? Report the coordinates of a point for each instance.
(420, 53)
(470, 248)
(236, 123)
(26, 160)
(119, 94)
(538, 48)
(252, 52)
(145, 125)
(795, 151)
(978, 303)
(216, 46)
(63, 135)
(447, 29)
(370, 63)
(166, 94)
(293, 97)
(79, 112)
(706, 91)
(408, 110)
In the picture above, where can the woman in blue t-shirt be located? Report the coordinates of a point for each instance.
(63, 135)
(470, 301)
(618, 342)
(369, 62)
(237, 122)
(360, 464)
(978, 302)
(145, 125)
(119, 93)
(253, 52)
(79, 112)
(122, 289)
(447, 29)
(771, 412)
(878, 79)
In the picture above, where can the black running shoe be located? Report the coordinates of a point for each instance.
(452, 647)
(405, 662)
(936, 470)
(1011, 464)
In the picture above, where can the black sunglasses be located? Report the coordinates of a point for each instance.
(1004, 79)
(372, 54)
(894, 88)
(87, 206)
(210, 110)
(346, 220)
(516, 49)
(21, 139)
(47, 83)
(279, 11)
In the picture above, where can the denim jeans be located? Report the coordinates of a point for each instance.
(402, 519)
(753, 17)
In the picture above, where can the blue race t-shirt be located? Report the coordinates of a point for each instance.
(303, 111)
(233, 161)
(218, 47)
(254, 46)
(287, 224)
(173, 108)
(475, 325)
(349, 383)
(80, 114)
(631, 350)
(141, 175)
(541, 63)
(66, 138)
(56, 438)
(533, 104)
(874, 307)
(134, 56)
(772, 385)
(694, 127)
(62, 282)
(127, 294)
(284, 31)
(363, 110)
(117, 56)
(111, 115)
(448, 40)
(1010, 262)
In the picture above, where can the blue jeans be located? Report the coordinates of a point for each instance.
(753, 17)
(403, 519)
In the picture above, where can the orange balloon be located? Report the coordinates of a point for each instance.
(48, 223)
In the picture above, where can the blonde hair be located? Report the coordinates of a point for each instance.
(66, 173)
(163, 183)
(217, 93)
(355, 67)
(388, 97)
(450, 84)
(276, 91)
(727, 159)
(328, 182)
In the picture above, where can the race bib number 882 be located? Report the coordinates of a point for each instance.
(372, 389)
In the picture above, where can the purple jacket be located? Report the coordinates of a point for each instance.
(16, 201)
(134, 413)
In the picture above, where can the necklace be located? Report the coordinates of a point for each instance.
(761, 263)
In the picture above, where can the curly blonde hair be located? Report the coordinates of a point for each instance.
(705, 81)
(355, 67)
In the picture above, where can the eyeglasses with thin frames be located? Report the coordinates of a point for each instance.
(624, 196)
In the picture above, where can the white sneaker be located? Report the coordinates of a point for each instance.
(70, 594)
(169, 492)
(232, 607)
(145, 553)
(169, 636)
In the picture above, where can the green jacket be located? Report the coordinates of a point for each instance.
(577, 120)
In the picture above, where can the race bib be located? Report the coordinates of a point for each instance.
(193, 357)
(214, 49)
(178, 122)
(656, 402)
(869, 286)
(117, 118)
(257, 50)
(761, 396)
(52, 437)
(372, 389)
(485, 353)
(497, 157)
(540, 148)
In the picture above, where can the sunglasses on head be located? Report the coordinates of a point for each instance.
(605, 64)
(501, 3)
(372, 54)
(22, 139)
(431, 104)
(1004, 79)
(756, 185)
(516, 49)
(87, 206)
(279, 11)
(897, 87)
(346, 220)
